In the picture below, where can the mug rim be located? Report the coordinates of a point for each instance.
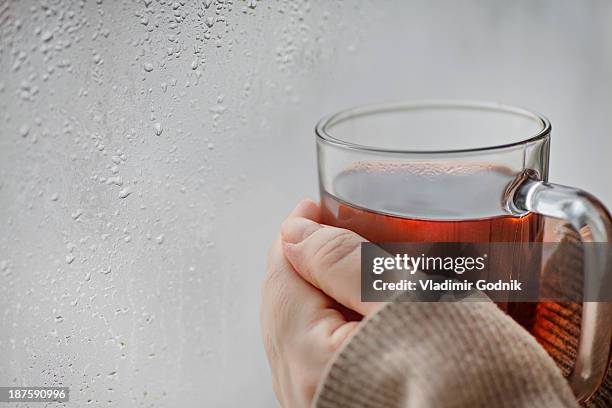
(323, 134)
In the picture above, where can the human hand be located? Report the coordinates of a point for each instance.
(311, 301)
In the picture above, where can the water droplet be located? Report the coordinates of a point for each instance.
(116, 180)
(46, 36)
(75, 215)
(158, 128)
(24, 130)
(148, 67)
(125, 192)
(4, 267)
(160, 239)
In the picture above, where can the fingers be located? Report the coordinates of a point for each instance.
(301, 327)
(286, 297)
(306, 208)
(285, 287)
(328, 258)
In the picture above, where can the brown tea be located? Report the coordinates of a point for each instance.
(425, 202)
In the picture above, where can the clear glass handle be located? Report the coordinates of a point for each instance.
(589, 217)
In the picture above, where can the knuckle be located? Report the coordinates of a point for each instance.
(334, 250)
(271, 280)
(270, 349)
(276, 301)
(279, 305)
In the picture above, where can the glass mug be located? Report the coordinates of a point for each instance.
(448, 171)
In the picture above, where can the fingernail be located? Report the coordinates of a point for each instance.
(288, 249)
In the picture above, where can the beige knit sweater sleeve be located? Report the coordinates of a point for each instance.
(462, 354)
(459, 354)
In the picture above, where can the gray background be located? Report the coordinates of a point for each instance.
(152, 299)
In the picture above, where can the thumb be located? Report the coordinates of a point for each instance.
(329, 258)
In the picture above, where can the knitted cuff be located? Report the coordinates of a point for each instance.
(465, 353)
(460, 354)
